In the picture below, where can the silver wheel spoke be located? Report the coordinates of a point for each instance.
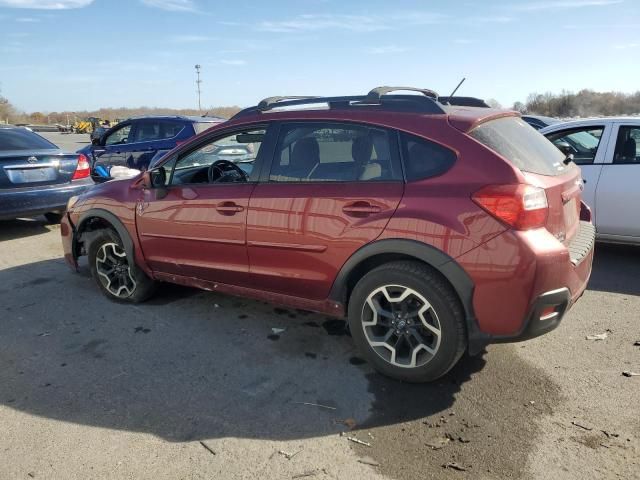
(114, 271)
(401, 326)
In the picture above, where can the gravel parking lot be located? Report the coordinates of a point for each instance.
(195, 385)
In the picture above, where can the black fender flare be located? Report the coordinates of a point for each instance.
(114, 221)
(436, 259)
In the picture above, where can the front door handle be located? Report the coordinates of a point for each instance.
(229, 208)
(361, 209)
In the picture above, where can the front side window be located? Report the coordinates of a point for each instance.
(627, 145)
(223, 160)
(581, 142)
(118, 137)
(424, 159)
(324, 152)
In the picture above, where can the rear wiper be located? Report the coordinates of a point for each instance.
(568, 159)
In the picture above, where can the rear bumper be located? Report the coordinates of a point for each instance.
(518, 275)
(29, 201)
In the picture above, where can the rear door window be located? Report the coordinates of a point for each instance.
(170, 129)
(333, 152)
(627, 145)
(424, 159)
(147, 131)
(521, 145)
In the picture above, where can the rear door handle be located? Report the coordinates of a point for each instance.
(229, 208)
(361, 209)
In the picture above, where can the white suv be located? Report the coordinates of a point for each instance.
(608, 152)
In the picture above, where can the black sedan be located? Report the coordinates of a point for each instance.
(36, 177)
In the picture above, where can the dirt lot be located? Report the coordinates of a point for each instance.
(194, 385)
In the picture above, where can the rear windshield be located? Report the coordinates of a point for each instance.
(202, 126)
(22, 139)
(521, 145)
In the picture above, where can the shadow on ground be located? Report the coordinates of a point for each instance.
(616, 269)
(23, 227)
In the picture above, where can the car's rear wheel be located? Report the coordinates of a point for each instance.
(407, 321)
(117, 275)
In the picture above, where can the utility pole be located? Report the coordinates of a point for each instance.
(198, 82)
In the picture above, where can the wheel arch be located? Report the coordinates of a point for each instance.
(377, 253)
(97, 217)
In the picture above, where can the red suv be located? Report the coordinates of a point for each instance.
(433, 228)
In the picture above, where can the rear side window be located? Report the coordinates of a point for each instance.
(521, 145)
(424, 159)
(22, 139)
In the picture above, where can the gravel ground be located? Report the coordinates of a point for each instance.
(194, 385)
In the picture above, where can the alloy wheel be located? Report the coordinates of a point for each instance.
(114, 271)
(401, 326)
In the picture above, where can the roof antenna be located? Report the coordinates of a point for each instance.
(455, 90)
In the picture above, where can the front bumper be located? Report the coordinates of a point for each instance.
(30, 201)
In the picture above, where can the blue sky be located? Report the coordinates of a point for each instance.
(84, 54)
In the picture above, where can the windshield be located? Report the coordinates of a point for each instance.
(22, 139)
(521, 145)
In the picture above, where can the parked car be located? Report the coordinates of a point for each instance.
(36, 177)
(539, 121)
(134, 142)
(608, 152)
(433, 228)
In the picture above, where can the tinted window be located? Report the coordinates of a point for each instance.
(147, 132)
(332, 153)
(521, 145)
(22, 139)
(582, 142)
(239, 148)
(424, 159)
(119, 136)
(170, 129)
(627, 145)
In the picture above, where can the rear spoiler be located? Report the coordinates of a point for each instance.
(464, 102)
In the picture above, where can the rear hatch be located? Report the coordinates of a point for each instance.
(35, 168)
(29, 160)
(543, 166)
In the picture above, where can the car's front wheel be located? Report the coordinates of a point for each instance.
(117, 275)
(407, 321)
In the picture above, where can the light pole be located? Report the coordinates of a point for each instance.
(198, 82)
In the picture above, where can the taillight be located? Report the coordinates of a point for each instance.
(83, 170)
(522, 207)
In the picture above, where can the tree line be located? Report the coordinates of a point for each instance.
(585, 103)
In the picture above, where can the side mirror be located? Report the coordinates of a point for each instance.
(565, 148)
(146, 180)
(95, 141)
(157, 177)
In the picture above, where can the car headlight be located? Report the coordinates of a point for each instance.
(71, 202)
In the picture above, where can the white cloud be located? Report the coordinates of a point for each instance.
(172, 5)
(625, 46)
(234, 62)
(46, 4)
(563, 4)
(386, 49)
(192, 38)
(310, 23)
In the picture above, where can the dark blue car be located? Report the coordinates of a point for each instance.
(134, 142)
(36, 177)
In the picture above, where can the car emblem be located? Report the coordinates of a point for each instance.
(32, 160)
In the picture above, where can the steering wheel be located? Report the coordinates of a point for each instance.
(219, 169)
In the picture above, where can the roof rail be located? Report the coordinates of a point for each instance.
(378, 98)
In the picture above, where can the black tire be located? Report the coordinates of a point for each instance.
(138, 286)
(53, 217)
(445, 304)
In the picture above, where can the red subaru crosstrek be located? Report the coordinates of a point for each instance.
(433, 228)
